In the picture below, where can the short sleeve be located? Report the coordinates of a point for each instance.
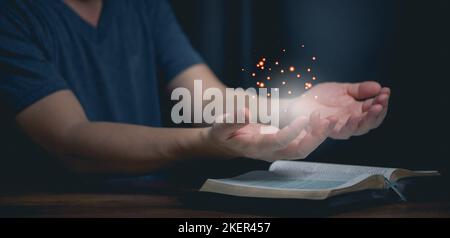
(26, 75)
(174, 51)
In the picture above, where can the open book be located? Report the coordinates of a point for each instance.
(313, 181)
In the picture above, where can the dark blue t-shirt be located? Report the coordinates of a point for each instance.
(112, 68)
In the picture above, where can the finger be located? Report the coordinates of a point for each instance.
(367, 104)
(314, 120)
(289, 133)
(313, 139)
(294, 151)
(383, 114)
(333, 121)
(291, 151)
(368, 122)
(382, 99)
(320, 129)
(365, 90)
(386, 91)
(349, 129)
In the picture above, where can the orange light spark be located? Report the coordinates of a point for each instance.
(277, 63)
(262, 67)
(261, 63)
(308, 86)
(269, 78)
(262, 85)
(309, 69)
(282, 71)
(292, 68)
(299, 76)
(314, 58)
(264, 59)
(314, 78)
(253, 74)
(257, 83)
(268, 95)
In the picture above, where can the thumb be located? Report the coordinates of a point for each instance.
(365, 90)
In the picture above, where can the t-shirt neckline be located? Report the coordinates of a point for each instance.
(94, 33)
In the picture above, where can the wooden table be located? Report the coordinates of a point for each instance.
(168, 206)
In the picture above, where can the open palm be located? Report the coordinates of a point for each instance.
(295, 141)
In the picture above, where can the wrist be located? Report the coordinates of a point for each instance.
(212, 146)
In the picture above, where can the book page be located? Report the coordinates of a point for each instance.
(326, 171)
(304, 176)
(305, 181)
(267, 179)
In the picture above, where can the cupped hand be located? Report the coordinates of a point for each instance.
(359, 107)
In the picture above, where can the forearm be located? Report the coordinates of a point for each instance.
(113, 148)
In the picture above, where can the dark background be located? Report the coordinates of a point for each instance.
(402, 44)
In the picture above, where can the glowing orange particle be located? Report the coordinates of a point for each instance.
(268, 95)
(253, 74)
(257, 83)
(277, 63)
(314, 58)
(264, 59)
(261, 63)
(308, 86)
(262, 85)
(289, 92)
(284, 83)
(269, 78)
(299, 76)
(292, 68)
(314, 78)
(309, 69)
(262, 67)
(282, 71)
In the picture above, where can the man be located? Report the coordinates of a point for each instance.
(81, 77)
